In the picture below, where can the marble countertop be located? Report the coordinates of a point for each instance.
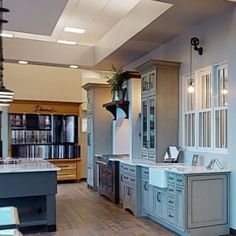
(196, 170)
(28, 165)
(180, 168)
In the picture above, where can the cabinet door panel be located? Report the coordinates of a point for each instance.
(180, 207)
(152, 123)
(145, 124)
(160, 208)
(207, 200)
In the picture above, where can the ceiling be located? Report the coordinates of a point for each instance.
(116, 32)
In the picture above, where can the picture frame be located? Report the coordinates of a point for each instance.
(195, 159)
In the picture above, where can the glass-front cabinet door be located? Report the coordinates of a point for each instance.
(145, 124)
(152, 123)
(148, 127)
(148, 82)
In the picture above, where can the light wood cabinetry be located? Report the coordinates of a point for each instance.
(70, 168)
(47, 130)
(159, 114)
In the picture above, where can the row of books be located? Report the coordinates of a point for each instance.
(46, 151)
(30, 136)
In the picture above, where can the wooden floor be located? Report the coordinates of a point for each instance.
(83, 212)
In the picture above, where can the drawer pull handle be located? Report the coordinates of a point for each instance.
(158, 197)
(170, 216)
(121, 177)
(171, 202)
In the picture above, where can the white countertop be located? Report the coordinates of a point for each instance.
(180, 168)
(28, 165)
(196, 170)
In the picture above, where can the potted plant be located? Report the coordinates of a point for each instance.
(117, 84)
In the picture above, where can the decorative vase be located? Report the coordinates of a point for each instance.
(118, 95)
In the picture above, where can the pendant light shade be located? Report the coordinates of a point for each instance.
(6, 95)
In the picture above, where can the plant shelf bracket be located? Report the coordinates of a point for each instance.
(112, 107)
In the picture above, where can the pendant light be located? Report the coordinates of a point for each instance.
(6, 95)
(194, 42)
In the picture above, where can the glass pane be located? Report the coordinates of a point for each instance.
(221, 129)
(205, 91)
(190, 95)
(189, 130)
(152, 122)
(151, 81)
(145, 83)
(205, 129)
(144, 125)
(222, 87)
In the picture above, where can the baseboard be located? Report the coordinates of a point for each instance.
(232, 231)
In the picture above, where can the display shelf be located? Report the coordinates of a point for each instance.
(112, 107)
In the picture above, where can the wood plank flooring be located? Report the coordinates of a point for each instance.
(83, 212)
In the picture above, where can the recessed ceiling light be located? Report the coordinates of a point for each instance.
(6, 35)
(74, 30)
(23, 62)
(66, 42)
(73, 66)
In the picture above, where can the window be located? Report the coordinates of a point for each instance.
(220, 106)
(189, 113)
(205, 109)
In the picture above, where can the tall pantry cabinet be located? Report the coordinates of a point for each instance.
(99, 128)
(159, 108)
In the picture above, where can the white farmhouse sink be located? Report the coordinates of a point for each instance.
(158, 177)
(158, 174)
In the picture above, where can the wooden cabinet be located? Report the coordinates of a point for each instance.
(160, 205)
(98, 129)
(70, 168)
(109, 180)
(209, 207)
(159, 112)
(147, 192)
(198, 203)
(131, 200)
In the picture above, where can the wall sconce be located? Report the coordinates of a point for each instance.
(6, 95)
(194, 42)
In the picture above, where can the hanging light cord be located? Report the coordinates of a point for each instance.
(190, 61)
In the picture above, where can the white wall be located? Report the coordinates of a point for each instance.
(47, 83)
(218, 38)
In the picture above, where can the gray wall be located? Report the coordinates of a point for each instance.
(218, 37)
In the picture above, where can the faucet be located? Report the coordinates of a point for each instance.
(212, 164)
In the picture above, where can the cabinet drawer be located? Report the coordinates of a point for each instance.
(124, 167)
(179, 180)
(171, 215)
(66, 166)
(132, 180)
(171, 178)
(66, 175)
(151, 156)
(145, 173)
(144, 155)
(132, 170)
(171, 201)
(171, 189)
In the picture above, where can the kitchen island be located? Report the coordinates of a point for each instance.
(30, 185)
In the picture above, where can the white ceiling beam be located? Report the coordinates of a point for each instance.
(139, 17)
